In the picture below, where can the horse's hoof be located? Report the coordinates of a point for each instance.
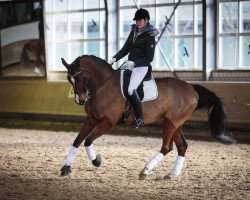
(65, 170)
(97, 161)
(169, 177)
(142, 176)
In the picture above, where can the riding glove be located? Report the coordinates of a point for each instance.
(112, 61)
(128, 65)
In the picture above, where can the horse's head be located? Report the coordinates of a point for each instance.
(79, 80)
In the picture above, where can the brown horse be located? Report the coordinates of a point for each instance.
(97, 86)
(36, 47)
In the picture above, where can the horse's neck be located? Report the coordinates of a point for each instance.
(98, 74)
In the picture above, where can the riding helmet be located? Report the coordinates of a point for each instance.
(141, 14)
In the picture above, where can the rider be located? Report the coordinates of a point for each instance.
(140, 45)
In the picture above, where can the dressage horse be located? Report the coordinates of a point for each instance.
(97, 87)
(36, 47)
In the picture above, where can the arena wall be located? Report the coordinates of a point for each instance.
(42, 98)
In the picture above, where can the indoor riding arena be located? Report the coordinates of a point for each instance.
(64, 128)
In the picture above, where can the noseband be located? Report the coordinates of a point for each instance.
(85, 79)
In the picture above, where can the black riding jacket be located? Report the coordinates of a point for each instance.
(140, 47)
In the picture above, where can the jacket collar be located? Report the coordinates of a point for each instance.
(152, 31)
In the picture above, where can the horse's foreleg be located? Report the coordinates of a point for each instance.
(181, 145)
(168, 130)
(86, 129)
(103, 126)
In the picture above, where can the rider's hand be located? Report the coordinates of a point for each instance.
(128, 65)
(112, 61)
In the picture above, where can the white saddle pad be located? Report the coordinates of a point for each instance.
(149, 88)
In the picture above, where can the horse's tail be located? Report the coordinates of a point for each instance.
(216, 113)
(24, 59)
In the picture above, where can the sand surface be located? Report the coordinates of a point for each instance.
(30, 163)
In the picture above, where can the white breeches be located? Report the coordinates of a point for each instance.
(136, 78)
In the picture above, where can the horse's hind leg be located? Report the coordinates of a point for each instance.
(167, 146)
(181, 145)
(86, 129)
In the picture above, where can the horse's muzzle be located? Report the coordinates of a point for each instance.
(81, 103)
(80, 99)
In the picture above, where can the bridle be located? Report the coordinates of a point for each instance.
(85, 79)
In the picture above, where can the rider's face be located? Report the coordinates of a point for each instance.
(140, 23)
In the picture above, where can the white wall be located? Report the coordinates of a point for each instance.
(19, 33)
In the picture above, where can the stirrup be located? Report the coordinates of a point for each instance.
(138, 123)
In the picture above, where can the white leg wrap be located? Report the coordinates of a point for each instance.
(152, 163)
(178, 166)
(71, 156)
(91, 152)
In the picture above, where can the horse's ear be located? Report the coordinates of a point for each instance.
(65, 64)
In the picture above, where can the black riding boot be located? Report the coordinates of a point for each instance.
(136, 103)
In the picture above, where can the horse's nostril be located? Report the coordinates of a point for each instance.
(80, 102)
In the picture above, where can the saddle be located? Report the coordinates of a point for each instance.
(147, 91)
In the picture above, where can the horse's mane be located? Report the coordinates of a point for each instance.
(96, 59)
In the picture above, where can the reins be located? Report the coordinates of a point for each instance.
(103, 82)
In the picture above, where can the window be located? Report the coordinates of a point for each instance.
(234, 35)
(74, 28)
(180, 47)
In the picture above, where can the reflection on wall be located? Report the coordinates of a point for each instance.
(22, 41)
